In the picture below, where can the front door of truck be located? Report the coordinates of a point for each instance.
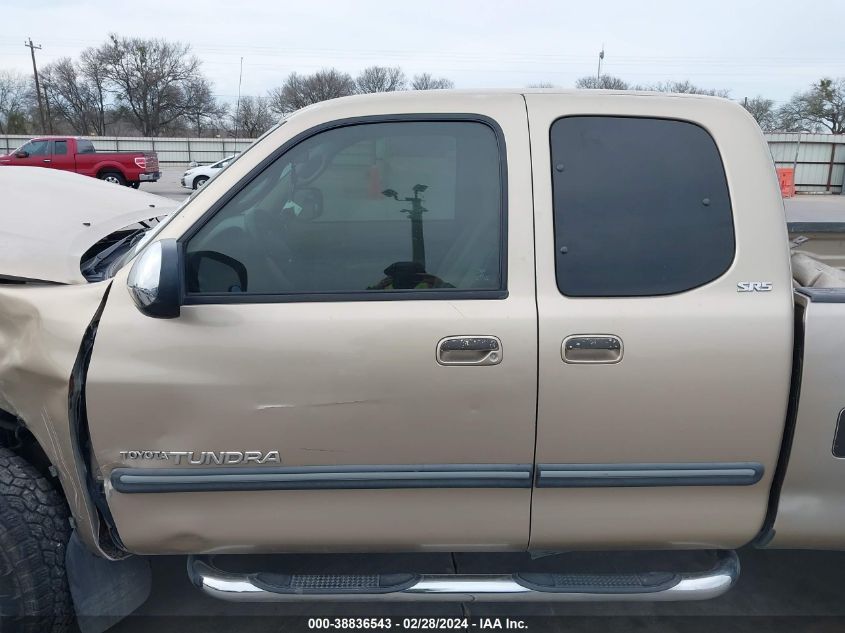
(662, 389)
(35, 153)
(354, 365)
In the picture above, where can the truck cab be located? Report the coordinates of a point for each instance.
(450, 321)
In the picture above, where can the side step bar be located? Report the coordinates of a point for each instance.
(519, 587)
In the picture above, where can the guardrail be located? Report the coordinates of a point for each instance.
(818, 159)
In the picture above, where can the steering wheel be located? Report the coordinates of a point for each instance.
(267, 231)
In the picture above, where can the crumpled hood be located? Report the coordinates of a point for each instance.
(49, 218)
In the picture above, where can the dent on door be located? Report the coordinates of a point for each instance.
(400, 424)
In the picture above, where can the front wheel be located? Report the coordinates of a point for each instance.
(113, 177)
(34, 531)
(199, 181)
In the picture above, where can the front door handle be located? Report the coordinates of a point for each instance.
(469, 350)
(591, 348)
(46, 160)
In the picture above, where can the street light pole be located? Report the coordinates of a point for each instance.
(601, 57)
(32, 48)
(238, 106)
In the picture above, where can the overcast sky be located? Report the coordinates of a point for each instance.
(751, 47)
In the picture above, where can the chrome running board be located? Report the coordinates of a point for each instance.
(520, 587)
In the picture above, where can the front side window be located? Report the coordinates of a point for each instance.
(368, 208)
(641, 207)
(36, 148)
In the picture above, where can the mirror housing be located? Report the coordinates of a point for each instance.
(22, 154)
(154, 280)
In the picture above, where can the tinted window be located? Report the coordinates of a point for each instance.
(37, 148)
(367, 208)
(84, 146)
(59, 147)
(641, 207)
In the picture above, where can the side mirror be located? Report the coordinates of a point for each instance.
(154, 280)
(22, 154)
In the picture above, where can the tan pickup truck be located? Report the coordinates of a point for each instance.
(449, 321)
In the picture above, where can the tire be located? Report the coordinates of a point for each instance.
(113, 176)
(199, 181)
(135, 184)
(34, 531)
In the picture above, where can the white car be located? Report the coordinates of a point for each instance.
(196, 177)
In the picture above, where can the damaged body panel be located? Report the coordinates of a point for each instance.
(41, 332)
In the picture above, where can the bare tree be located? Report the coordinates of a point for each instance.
(158, 81)
(380, 79)
(542, 84)
(299, 91)
(92, 67)
(70, 97)
(425, 81)
(254, 117)
(605, 82)
(763, 111)
(685, 87)
(14, 97)
(202, 111)
(821, 108)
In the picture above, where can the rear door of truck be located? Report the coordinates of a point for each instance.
(662, 383)
(373, 384)
(62, 154)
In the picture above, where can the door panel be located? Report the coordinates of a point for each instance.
(61, 157)
(431, 456)
(665, 430)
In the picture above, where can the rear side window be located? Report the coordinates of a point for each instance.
(84, 146)
(60, 147)
(641, 207)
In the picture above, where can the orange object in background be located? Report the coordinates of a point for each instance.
(786, 177)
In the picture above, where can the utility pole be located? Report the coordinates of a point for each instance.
(47, 106)
(601, 57)
(238, 107)
(32, 48)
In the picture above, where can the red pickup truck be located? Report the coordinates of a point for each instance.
(70, 153)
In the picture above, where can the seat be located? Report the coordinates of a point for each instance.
(811, 273)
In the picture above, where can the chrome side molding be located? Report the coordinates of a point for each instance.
(643, 587)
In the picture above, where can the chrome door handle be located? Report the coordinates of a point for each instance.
(469, 350)
(46, 160)
(591, 348)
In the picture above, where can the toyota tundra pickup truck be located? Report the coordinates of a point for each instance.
(71, 153)
(511, 321)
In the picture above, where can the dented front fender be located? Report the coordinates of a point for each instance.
(41, 330)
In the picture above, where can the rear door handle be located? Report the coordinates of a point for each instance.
(469, 350)
(591, 348)
(46, 160)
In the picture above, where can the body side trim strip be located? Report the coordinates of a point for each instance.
(134, 480)
(643, 475)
